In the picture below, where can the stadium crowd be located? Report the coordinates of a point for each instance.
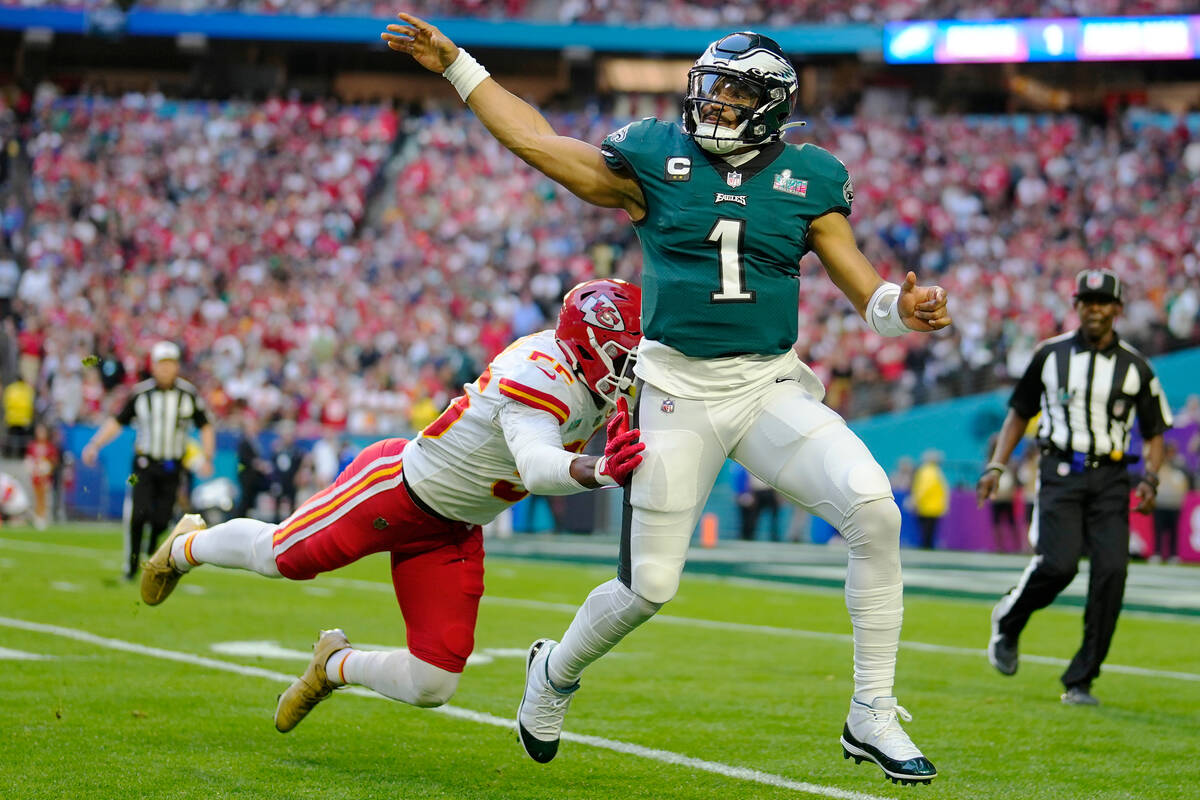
(665, 13)
(251, 234)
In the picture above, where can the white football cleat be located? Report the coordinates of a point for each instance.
(543, 706)
(872, 733)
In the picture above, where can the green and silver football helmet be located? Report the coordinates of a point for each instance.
(740, 93)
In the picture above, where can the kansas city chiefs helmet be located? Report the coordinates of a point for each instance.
(740, 93)
(599, 327)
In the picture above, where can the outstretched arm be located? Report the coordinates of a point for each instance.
(921, 308)
(519, 126)
(546, 468)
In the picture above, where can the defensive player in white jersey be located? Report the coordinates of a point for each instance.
(724, 210)
(518, 429)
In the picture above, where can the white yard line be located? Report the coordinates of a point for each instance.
(667, 619)
(626, 748)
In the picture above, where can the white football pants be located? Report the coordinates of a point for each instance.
(788, 438)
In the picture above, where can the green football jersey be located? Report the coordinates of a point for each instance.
(721, 245)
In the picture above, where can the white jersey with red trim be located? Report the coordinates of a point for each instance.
(460, 465)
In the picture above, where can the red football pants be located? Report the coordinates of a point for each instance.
(437, 565)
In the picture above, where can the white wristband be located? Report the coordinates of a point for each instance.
(465, 74)
(883, 311)
(603, 478)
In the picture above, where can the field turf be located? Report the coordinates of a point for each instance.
(736, 690)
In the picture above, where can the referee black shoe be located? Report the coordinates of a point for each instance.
(1079, 696)
(1001, 651)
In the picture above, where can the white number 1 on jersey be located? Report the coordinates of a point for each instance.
(727, 235)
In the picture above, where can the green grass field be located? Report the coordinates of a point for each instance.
(736, 690)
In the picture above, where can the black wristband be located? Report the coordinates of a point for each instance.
(1151, 480)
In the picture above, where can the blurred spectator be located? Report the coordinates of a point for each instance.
(287, 459)
(253, 470)
(18, 417)
(902, 477)
(112, 371)
(63, 477)
(1190, 413)
(753, 498)
(324, 456)
(1006, 536)
(930, 496)
(1173, 485)
(1027, 477)
(10, 278)
(41, 459)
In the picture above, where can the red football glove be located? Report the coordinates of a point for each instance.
(622, 452)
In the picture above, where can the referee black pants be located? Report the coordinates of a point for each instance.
(153, 491)
(1078, 514)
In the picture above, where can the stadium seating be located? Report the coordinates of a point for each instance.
(243, 230)
(663, 13)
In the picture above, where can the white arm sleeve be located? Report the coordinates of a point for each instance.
(536, 446)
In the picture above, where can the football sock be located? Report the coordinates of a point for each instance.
(874, 595)
(239, 543)
(876, 616)
(609, 613)
(397, 674)
(336, 664)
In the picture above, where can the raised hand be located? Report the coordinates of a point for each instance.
(622, 452)
(425, 43)
(923, 308)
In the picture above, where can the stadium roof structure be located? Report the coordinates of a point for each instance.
(799, 39)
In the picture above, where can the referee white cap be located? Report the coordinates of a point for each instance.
(164, 351)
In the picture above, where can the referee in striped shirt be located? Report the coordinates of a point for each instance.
(163, 410)
(1089, 386)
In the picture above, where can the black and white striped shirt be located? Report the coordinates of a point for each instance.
(1089, 398)
(163, 418)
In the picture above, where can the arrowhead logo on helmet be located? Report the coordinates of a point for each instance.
(601, 311)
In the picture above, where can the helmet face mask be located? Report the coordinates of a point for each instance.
(741, 91)
(599, 328)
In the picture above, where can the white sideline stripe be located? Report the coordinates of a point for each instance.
(664, 756)
(21, 655)
(739, 627)
(58, 549)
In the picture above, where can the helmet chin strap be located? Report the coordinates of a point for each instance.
(719, 140)
(790, 125)
(719, 147)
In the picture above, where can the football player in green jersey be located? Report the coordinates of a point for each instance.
(724, 211)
